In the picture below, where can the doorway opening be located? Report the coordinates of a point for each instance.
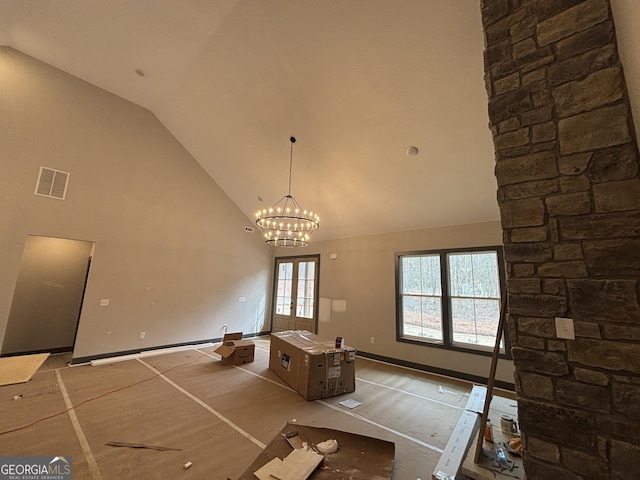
(295, 292)
(48, 296)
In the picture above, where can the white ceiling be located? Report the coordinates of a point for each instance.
(356, 82)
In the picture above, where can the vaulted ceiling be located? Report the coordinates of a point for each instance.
(357, 82)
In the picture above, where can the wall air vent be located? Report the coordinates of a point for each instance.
(52, 183)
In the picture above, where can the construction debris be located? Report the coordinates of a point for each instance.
(327, 447)
(141, 445)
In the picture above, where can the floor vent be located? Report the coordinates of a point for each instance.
(52, 183)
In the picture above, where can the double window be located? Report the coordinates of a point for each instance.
(450, 298)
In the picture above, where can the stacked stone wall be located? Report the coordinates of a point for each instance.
(567, 168)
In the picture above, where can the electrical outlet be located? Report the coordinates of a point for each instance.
(142, 335)
(564, 328)
(372, 340)
(104, 302)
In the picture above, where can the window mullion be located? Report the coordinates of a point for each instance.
(447, 324)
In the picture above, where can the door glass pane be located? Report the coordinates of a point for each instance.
(475, 297)
(306, 289)
(285, 282)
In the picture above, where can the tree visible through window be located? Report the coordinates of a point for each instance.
(422, 297)
(450, 297)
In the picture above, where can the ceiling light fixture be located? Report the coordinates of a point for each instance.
(413, 151)
(286, 223)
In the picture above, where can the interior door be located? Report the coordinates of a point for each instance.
(48, 295)
(295, 305)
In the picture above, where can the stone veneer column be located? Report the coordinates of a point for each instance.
(569, 194)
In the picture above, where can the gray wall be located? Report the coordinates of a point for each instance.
(363, 274)
(171, 253)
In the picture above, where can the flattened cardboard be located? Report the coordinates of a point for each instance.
(361, 456)
(236, 351)
(311, 365)
(300, 463)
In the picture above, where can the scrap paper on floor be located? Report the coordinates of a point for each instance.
(350, 403)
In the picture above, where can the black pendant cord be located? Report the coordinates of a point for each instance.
(292, 140)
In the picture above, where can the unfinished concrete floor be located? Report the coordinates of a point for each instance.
(219, 416)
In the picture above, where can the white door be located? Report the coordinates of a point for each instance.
(295, 294)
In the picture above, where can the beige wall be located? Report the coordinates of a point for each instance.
(363, 274)
(171, 253)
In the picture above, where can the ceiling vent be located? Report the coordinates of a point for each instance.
(52, 183)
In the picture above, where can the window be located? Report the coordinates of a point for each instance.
(450, 298)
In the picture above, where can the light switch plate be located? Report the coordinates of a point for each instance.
(564, 328)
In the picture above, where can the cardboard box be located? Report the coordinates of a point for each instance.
(311, 365)
(235, 350)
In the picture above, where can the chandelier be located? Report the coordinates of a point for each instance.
(286, 223)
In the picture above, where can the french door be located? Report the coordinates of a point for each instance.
(295, 293)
